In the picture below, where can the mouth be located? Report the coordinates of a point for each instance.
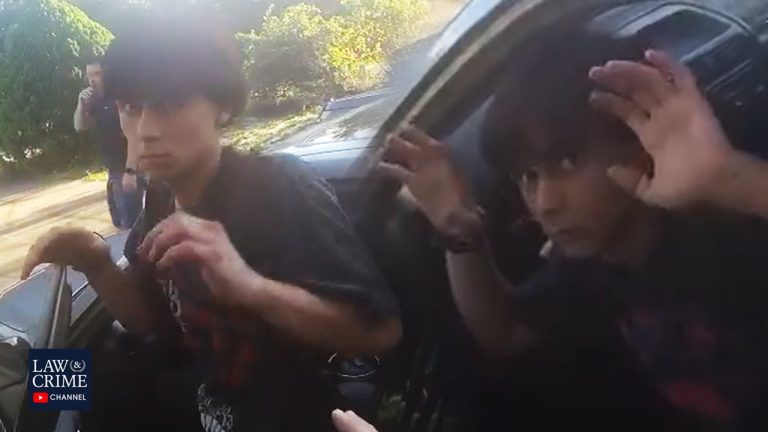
(155, 157)
(564, 235)
(155, 161)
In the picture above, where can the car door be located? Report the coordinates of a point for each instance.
(55, 308)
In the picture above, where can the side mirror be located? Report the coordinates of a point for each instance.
(44, 317)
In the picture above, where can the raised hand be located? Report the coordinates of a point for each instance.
(661, 102)
(86, 96)
(425, 168)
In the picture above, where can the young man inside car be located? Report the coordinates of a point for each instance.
(648, 316)
(259, 272)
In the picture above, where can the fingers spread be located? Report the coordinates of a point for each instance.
(418, 137)
(624, 109)
(632, 180)
(643, 84)
(396, 171)
(679, 73)
(402, 150)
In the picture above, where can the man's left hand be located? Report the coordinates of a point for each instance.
(184, 238)
(130, 183)
(661, 102)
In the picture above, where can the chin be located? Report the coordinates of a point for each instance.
(162, 172)
(577, 250)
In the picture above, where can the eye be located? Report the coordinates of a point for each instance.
(132, 109)
(527, 177)
(166, 107)
(567, 164)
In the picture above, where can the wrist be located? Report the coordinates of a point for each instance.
(248, 293)
(740, 186)
(97, 260)
(463, 230)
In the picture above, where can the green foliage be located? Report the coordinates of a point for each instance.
(367, 34)
(284, 61)
(42, 46)
(300, 54)
(257, 136)
(241, 15)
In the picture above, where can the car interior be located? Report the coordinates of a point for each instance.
(437, 379)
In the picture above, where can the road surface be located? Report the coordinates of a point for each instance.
(27, 211)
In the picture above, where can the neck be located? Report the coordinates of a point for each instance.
(189, 189)
(634, 240)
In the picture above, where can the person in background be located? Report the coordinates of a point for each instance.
(125, 184)
(643, 316)
(243, 267)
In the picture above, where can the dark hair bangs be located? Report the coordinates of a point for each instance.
(168, 64)
(541, 113)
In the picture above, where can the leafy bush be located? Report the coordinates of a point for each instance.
(284, 61)
(367, 33)
(300, 54)
(43, 44)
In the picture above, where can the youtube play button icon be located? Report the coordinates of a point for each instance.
(40, 397)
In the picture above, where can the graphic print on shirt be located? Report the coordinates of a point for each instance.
(669, 342)
(172, 294)
(215, 417)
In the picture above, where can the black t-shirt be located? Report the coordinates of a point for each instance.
(108, 133)
(285, 222)
(684, 341)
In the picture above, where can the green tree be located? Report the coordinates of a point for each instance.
(303, 54)
(43, 44)
(367, 33)
(284, 61)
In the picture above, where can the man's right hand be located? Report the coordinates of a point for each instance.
(86, 96)
(82, 249)
(424, 166)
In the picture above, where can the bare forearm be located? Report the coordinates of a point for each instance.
(122, 296)
(315, 321)
(82, 121)
(744, 187)
(479, 290)
(132, 154)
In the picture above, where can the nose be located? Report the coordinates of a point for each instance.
(548, 197)
(149, 129)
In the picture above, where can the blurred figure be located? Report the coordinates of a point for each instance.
(125, 185)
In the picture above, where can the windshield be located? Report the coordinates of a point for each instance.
(412, 62)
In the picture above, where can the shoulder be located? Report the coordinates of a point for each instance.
(276, 175)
